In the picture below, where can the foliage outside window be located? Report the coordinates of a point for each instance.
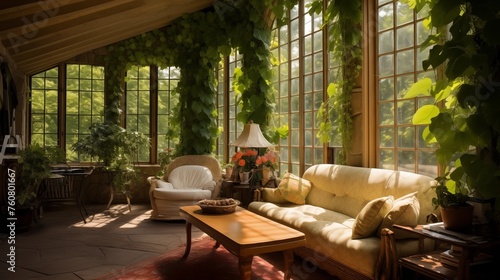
(44, 108)
(84, 103)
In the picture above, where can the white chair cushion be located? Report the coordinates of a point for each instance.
(192, 177)
(193, 195)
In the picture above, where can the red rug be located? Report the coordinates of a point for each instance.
(206, 262)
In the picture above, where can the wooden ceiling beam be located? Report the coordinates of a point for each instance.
(73, 31)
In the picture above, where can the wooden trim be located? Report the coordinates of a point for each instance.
(369, 84)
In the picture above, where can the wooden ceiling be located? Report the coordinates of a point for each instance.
(38, 35)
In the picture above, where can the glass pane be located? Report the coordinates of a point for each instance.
(405, 61)
(386, 65)
(405, 13)
(386, 42)
(405, 37)
(386, 137)
(406, 161)
(386, 159)
(406, 110)
(386, 113)
(385, 17)
(427, 163)
(406, 137)
(386, 89)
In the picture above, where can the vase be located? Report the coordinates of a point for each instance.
(267, 174)
(245, 178)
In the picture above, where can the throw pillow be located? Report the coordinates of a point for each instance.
(368, 220)
(405, 211)
(294, 188)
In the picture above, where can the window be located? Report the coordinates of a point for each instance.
(71, 113)
(299, 82)
(138, 105)
(400, 144)
(226, 98)
(44, 108)
(168, 79)
(84, 103)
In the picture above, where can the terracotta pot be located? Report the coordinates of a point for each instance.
(457, 218)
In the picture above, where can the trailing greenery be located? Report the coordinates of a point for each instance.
(195, 44)
(467, 97)
(343, 18)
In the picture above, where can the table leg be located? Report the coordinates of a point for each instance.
(288, 256)
(245, 267)
(188, 240)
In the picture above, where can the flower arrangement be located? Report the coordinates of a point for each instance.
(269, 159)
(246, 160)
(249, 159)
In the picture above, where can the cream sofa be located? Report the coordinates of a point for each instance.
(338, 201)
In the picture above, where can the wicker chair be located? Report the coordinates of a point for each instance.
(187, 179)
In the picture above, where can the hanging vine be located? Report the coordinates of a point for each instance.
(343, 18)
(195, 44)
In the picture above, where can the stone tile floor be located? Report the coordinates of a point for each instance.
(62, 247)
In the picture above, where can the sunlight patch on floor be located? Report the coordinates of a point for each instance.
(115, 212)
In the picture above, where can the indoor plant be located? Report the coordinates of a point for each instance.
(34, 167)
(464, 119)
(117, 148)
(452, 198)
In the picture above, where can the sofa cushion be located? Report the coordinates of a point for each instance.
(405, 211)
(294, 188)
(192, 177)
(370, 217)
(272, 195)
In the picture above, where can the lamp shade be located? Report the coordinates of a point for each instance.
(252, 137)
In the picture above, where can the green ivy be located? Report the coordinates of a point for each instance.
(343, 18)
(195, 44)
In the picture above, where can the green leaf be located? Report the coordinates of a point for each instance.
(444, 12)
(425, 114)
(421, 88)
(466, 96)
(457, 66)
(490, 31)
(332, 89)
(427, 136)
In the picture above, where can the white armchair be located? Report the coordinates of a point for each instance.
(187, 180)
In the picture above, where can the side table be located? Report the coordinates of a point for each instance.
(429, 264)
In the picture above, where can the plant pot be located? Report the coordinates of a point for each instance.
(457, 218)
(24, 218)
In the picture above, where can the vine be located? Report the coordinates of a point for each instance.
(195, 43)
(343, 17)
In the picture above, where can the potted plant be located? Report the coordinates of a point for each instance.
(452, 198)
(118, 149)
(464, 119)
(34, 165)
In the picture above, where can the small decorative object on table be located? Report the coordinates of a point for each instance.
(218, 206)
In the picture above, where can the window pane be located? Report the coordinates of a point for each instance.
(84, 103)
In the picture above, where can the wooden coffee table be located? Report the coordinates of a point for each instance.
(244, 234)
